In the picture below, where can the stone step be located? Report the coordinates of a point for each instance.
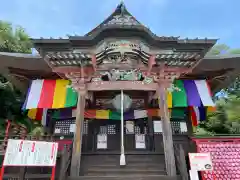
(128, 162)
(123, 171)
(130, 165)
(116, 168)
(137, 165)
(126, 177)
(144, 161)
(129, 158)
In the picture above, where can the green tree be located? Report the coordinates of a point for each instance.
(226, 119)
(12, 39)
(220, 49)
(217, 120)
(234, 51)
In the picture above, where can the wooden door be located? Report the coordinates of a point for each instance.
(137, 137)
(103, 136)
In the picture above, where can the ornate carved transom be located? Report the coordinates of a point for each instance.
(122, 45)
(122, 75)
(122, 51)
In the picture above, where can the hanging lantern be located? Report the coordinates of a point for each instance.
(127, 102)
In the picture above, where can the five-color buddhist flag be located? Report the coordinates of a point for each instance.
(193, 97)
(35, 114)
(38, 115)
(204, 93)
(56, 94)
(169, 99)
(179, 96)
(102, 114)
(115, 115)
(190, 93)
(50, 94)
(197, 114)
(66, 113)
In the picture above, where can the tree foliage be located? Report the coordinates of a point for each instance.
(12, 39)
(221, 49)
(226, 118)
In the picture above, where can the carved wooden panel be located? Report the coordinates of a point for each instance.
(107, 104)
(122, 20)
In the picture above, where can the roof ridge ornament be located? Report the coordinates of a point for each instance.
(122, 6)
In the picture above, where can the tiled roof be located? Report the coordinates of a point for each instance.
(69, 59)
(182, 59)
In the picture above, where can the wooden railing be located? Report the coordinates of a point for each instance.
(65, 163)
(181, 161)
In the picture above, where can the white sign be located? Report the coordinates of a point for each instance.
(183, 127)
(129, 127)
(193, 175)
(140, 141)
(30, 153)
(200, 161)
(157, 126)
(101, 141)
(72, 128)
(57, 131)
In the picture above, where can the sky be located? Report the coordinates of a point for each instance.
(185, 18)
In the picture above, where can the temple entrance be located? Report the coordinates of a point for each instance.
(103, 136)
(137, 137)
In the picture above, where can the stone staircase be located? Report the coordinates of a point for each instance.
(106, 167)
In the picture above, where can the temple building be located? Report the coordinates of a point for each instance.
(126, 99)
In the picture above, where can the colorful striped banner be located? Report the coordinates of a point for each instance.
(114, 115)
(193, 97)
(38, 115)
(179, 96)
(50, 94)
(55, 94)
(191, 93)
(197, 114)
(204, 92)
(35, 114)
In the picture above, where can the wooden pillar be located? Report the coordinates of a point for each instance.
(167, 131)
(151, 145)
(77, 144)
(22, 173)
(189, 123)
